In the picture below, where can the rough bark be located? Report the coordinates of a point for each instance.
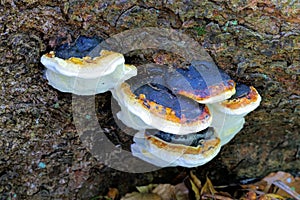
(256, 42)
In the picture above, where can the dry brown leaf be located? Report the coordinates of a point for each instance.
(285, 181)
(113, 193)
(195, 189)
(274, 196)
(146, 188)
(181, 192)
(195, 180)
(208, 188)
(141, 196)
(165, 191)
(286, 189)
(274, 176)
(251, 195)
(215, 196)
(263, 197)
(260, 185)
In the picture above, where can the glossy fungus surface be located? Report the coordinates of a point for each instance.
(160, 99)
(159, 108)
(193, 139)
(81, 47)
(201, 81)
(243, 102)
(183, 114)
(162, 149)
(71, 69)
(242, 90)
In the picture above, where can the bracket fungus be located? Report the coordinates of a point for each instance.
(202, 81)
(164, 149)
(159, 108)
(183, 115)
(245, 100)
(228, 115)
(87, 75)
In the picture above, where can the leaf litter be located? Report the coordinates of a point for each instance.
(277, 185)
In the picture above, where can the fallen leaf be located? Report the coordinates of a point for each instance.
(113, 193)
(286, 189)
(195, 180)
(260, 185)
(146, 189)
(181, 192)
(283, 176)
(208, 187)
(165, 191)
(215, 196)
(195, 189)
(251, 195)
(274, 196)
(285, 181)
(141, 196)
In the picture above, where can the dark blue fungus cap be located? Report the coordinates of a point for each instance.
(151, 88)
(189, 151)
(242, 90)
(162, 101)
(202, 81)
(147, 96)
(245, 100)
(193, 139)
(81, 47)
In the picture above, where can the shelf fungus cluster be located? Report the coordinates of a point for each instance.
(182, 115)
(87, 75)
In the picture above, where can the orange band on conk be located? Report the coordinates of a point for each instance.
(204, 148)
(242, 102)
(157, 109)
(51, 54)
(86, 60)
(211, 90)
(78, 61)
(167, 112)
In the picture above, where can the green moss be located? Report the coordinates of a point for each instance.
(56, 105)
(200, 30)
